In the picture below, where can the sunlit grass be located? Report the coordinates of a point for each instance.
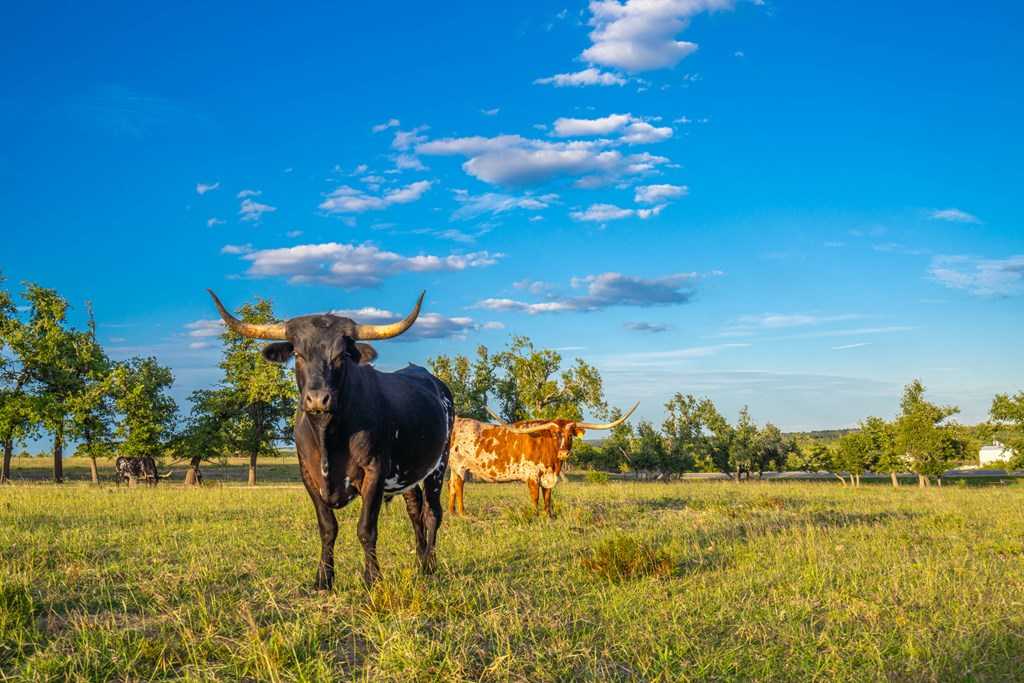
(679, 581)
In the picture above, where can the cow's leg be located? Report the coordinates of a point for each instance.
(548, 507)
(455, 487)
(373, 496)
(414, 506)
(432, 512)
(534, 492)
(328, 524)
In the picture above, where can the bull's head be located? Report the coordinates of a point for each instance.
(564, 430)
(325, 348)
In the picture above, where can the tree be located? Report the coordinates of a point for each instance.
(854, 455)
(1008, 411)
(203, 437)
(930, 446)
(880, 440)
(260, 395)
(772, 449)
(18, 412)
(91, 408)
(743, 448)
(527, 385)
(648, 449)
(718, 440)
(148, 414)
(53, 356)
(469, 381)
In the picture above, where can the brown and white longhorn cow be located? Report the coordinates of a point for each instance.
(531, 451)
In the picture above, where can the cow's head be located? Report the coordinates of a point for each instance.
(325, 348)
(563, 430)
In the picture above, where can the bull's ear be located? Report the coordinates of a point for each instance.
(278, 352)
(365, 354)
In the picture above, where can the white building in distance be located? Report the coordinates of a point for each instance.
(996, 452)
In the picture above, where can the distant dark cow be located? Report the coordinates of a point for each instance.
(139, 468)
(359, 431)
(531, 451)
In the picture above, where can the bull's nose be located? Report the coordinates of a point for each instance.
(317, 401)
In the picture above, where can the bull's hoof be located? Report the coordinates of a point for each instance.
(428, 564)
(322, 584)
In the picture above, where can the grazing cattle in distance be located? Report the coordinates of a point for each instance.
(531, 451)
(359, 431)
(139, 468)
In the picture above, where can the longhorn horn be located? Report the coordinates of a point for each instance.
(494, 415)
(608, 425)
(533, 429)
(251, 330)
(371, 332)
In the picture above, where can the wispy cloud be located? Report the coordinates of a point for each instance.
(954, 216)
(653, 328)
(213, 222)
(203, 188)
(251, 211)
(602, 213)
(352, 266)
(490, 112)
(607, 290)
(981, 277)
(652, 194)
(347, 199)
(249, 193)
(850, 346)
(390, 123)
(428, 325)
(494, 203)
(577, 79)
(631, 130)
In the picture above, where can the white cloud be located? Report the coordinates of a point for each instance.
(347, 199)
(843, 347)
(351, 265)
(600, 213)
(607, 290)
(253, 211)
(639, 35)
(390, 123)
(585, 77)
(408, 162)
(633, 130)
(294, 233)
(236, 249)
(249, 193)
(494, 203)
(652, 194)
(954, 216)
(513, 160)
(739, 54)
(653, 328)
(407, 139)
(211, 222)
(427, 325)
(203, 188)
(201, 329)
(981, 277)
(490, 112)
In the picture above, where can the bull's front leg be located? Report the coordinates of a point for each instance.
(373, 494)
(328, 524)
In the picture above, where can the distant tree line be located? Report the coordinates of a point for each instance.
(59, 381)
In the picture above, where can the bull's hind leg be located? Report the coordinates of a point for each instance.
(414, 506)
(431, 512)
(548, 510)
(534, 493)
(455, 488)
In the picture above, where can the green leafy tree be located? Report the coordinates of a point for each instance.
(743, 449)
(772, 449)
(470, 381)
(147, 412)
(930, 445)
(528, 384)
(56, 359)
(880, 440)
(1008, 412)
(854, 455)
(648, 450)
(718, 439)
(203, 436)
(91, 408)
(261, 395)
(18, 409)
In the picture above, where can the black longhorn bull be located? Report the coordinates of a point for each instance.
(359, 431)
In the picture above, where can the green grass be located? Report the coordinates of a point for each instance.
(632, 581)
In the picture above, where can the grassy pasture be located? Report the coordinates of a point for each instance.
(648, 581)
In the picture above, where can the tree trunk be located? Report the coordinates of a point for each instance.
(922, 481)
(93, 471)
(5, 472)
(58, 456)
(938, 480)
(252, 469)
(895, 480)
(192, 475)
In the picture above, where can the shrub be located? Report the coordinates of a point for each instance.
(624, 557)
(595, 477)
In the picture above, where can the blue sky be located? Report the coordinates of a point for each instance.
(783, 204)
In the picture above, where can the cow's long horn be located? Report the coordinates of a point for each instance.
(371, 332)
(608, 425)
(494, 415)
(534, 428)
(251, 330)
